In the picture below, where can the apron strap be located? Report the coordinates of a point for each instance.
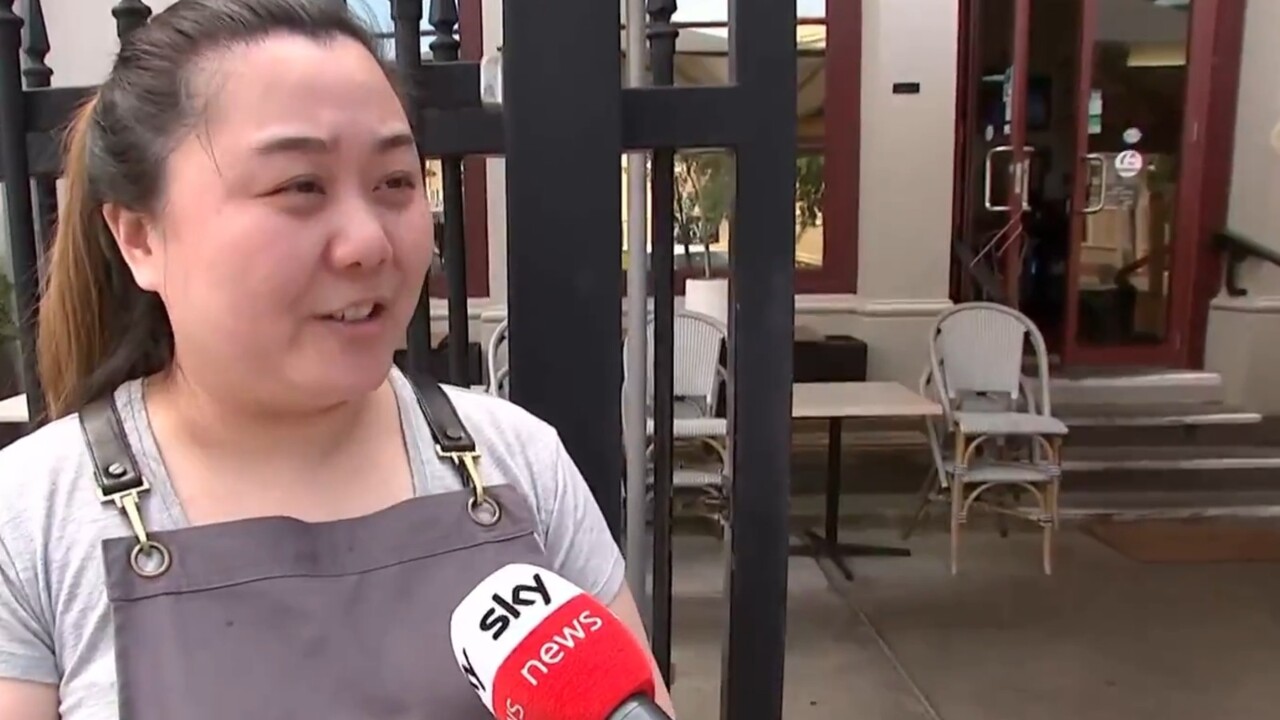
(115, 472)
(119, 482)
(453, 442)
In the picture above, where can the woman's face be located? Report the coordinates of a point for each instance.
(292, 242)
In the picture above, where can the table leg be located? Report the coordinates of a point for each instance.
(828, 544)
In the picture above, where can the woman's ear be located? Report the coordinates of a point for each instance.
(139, 242)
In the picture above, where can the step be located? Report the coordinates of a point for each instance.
(892, 510)
(1102, 459)
(1169, 512)
(1154, 386)
(1172, 415)
(1177, 505)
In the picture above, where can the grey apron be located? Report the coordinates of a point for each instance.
(275, 618)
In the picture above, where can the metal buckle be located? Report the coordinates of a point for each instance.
(466, 462)
(129, 502)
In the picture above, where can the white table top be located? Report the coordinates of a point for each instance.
(13, 410)
(859, 400)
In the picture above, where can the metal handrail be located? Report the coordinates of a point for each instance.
(1239, 248)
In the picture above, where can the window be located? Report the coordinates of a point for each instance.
(827, 101)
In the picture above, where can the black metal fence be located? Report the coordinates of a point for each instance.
(563, 125)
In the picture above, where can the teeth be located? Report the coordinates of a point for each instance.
(354, 313)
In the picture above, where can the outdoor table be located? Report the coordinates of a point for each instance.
(834, 402)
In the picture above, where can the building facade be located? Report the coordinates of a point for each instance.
(1076, 157)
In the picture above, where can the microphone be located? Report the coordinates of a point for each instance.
(536, 647)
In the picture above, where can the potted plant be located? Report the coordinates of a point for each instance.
(704, 183)
(704, 198)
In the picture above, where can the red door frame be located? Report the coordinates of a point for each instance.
(968, 112)
(1198, 199)
(1223, 32)
(968, 66)
(1020, 164)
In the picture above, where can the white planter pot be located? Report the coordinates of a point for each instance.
(709, 296)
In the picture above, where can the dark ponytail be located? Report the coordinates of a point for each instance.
(72, 338)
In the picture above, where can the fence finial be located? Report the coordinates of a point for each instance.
(444, 19)
(130, 15)
(660, 11)
(35, 45)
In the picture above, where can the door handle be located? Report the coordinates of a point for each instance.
(986, 178)
(1101, 162)
(1021, 178)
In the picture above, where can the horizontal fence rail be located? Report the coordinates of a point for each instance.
(449, 126)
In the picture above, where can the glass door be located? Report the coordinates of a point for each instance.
(994, 156)
(1131, 102)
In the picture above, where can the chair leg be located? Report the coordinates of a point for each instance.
(957, 504)
(923, 499)
(1049, 523)
(957, 499)
(1056, 487)
(1052, 499)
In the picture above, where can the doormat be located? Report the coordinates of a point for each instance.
(1192, 540)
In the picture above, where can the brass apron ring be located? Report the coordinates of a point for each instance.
(481, 506)
(144, 549)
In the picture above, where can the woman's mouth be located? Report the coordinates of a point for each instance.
(359, 312)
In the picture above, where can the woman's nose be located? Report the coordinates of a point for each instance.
(362, 239)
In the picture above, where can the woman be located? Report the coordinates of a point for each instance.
(239, 508)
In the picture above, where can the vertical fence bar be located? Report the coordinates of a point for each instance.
(762, 40)
(562, 98)
(635, 439)
(444, 48)
(39, 75)
(662, 51)
(406, 18)
(17, 195)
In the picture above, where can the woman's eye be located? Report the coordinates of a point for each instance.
(405, 181)
(304, 186)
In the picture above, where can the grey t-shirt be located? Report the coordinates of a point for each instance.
(55, 620)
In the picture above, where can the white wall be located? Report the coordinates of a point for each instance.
(1255, 183)
(908, 143)
(1243, 340)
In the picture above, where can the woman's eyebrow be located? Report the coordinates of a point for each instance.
(278, 144)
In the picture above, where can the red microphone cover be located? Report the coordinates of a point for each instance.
(536, 647)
